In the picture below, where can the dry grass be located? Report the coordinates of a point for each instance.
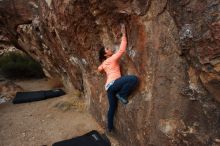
(8, 89)
(72, 101)
(73, 104)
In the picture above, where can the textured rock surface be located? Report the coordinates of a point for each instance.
(173, 47)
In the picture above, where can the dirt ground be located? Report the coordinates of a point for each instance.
(44, 122)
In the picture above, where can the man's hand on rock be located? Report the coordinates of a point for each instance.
(123, 30)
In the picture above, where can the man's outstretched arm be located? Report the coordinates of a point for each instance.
(123, 45)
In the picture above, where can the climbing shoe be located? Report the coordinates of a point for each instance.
(121, 99)
(110, 132)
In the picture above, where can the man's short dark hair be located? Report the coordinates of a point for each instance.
(102, 56)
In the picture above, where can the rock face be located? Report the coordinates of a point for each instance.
(173, 47)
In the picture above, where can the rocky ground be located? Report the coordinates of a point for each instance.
(44, 122)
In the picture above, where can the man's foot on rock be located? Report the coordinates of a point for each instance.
(121, 99)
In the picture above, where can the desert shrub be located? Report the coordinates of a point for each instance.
(17, 65)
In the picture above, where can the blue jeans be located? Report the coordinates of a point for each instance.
(123, 86)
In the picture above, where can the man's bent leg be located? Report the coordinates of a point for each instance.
(129, 83)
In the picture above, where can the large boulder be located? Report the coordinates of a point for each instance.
(173, 47)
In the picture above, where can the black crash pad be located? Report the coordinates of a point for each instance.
(23, 97)
(92, 138)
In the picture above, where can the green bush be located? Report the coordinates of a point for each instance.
(17, 65)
